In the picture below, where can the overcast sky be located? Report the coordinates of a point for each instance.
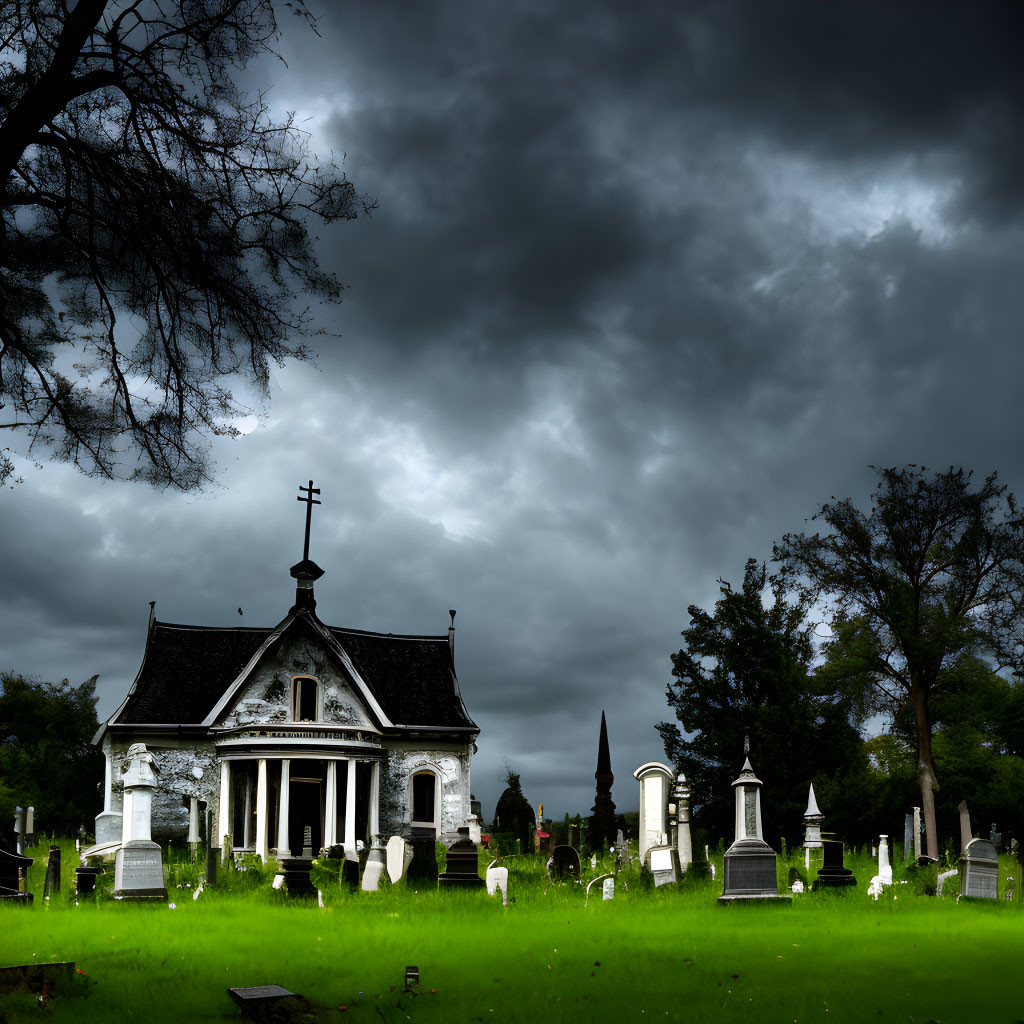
(647, 283)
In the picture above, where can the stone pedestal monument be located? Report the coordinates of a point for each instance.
(138, 870)
(813, 819)
(684, 844)
(750, 871)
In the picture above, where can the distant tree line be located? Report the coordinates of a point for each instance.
(47, 760)
(923, 606)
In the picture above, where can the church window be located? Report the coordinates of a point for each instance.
(424, 798)
(304, 699)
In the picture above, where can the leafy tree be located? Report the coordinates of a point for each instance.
(513, 813)
(930, 576)
(745, 670)
(153, 228)
(47, 759)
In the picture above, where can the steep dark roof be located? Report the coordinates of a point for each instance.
(187, 669)
(412, 677)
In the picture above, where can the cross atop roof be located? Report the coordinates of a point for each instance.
(310, 502)
(306, 571)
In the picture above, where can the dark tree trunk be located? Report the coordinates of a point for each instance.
(925, 764)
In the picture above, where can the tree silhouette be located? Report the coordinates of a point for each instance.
(153, 230)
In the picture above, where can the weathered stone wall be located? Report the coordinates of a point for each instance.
(266, 697)
(451, 764)
(184, 772)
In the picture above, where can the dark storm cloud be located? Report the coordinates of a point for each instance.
(647, 283)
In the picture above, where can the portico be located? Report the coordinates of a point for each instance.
(266, 802)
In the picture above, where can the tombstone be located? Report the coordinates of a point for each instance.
(138, 868)
(884, 867)
(376, 864)
(797, 887)
(917, 833)
(813, 819)
(832, 872)
(664, 864)
(564, 862)
(621, 851)
(85, 881)
(908, 838)
(684, 843)
(19, 831)
(474, 829)
(30, 827)
(51, 884)
(260, 1001)
(655, 779)
(608, 889)
(13, 867)
(461, 865)
(980, 870)
(422, 870)
(966, 834)
(396, 858)
(750, 863)
(294, 876)
(995, 837)
(497, 878)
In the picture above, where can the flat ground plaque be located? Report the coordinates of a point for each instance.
(258, 994)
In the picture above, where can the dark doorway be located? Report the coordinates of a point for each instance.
(306, 805)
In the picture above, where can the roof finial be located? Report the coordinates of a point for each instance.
(310, 502)
(306, 571)
(746, 744)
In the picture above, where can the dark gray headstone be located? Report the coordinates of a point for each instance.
(461, 866)
(750, 871)
(52, 882)
(979, 870)
(422, 868)
(832, 871)
(564, 863)
(12, 869)
(85, 881)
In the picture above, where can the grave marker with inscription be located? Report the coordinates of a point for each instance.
(138, 869)
(750, 863)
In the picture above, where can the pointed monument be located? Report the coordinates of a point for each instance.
(750, 863)
(602, 824)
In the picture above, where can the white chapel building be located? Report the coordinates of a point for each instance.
(264, 732)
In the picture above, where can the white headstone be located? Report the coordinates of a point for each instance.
(138, 868)
(497, 879)
(376, 862)
(655, 781)
(884, 867)
(396, 859)
(474, 828)
(608, 889)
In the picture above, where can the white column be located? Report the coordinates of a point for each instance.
(108, 782)
(350, 808)
(126, 816)
(224, 811)
(331, 808)
(374, 799)
(193, 819)
(282, 810)
(261, 808)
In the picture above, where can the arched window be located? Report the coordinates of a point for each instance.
(424, 799)
(304, 699)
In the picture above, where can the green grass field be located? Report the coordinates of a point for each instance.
(665, 954)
